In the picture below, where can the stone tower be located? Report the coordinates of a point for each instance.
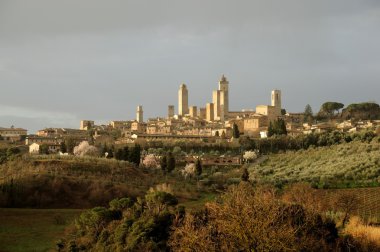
(183, 100)
(216, 101)
(139, 114)
(210, 112)
(276, 101)
(170, 111)
(223, 87)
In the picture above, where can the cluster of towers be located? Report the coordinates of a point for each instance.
(217, 110)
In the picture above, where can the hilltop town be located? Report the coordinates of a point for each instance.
(213, 122)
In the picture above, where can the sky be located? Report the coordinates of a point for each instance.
(64, 61)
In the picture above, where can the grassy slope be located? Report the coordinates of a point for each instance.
(33, 229)
(350, 164)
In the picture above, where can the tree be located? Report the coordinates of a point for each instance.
(70, 144)
(111, 152)
(150, 161)
(44, 149)
(63, 147)
(223, 134)
(308, 114)
(249, 156)
(347, 203)
(198, 167)
(248, 219)
(171, 162)
(282, 127)
(235, 131)
(245, 175)
(135, 155)
(277, 127)
(85, 149)
(164, 164)
(125, 153)
(270, 129)
(119, 154)
(329, 108)
(189, 170)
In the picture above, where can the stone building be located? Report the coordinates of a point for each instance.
(183, 100)
(170, 111)
(34, 148)
(202, 113)
(138, 127)
(193, 111)
(139, 114)
(224, 99)
(221, 100)
(254, 124)
(276, 101)
(272, 111)
(210, 112)
(12, 133)
(86, 124)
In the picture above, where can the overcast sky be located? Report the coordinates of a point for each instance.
(63, 61)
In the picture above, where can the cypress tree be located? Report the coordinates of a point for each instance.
(125, 156)
(245, 175)
(198, 167)
(235, 131)
(171, 162)
(164, 164)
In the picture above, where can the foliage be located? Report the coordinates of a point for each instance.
(366, 110)
(198, 167)
(44, 149)
(328, 108)
(287, 143)
(33, 229)
(70, 144)
(308, 114)
(189, 170)
(8, 154)
(245, 219)
(346, 165)
(249, 156)
(171, 162)
(164, 164)
(235, 131)
(63, 147)
(85, 149)
(245, 175)
(142, 225)
(277, 128)
(151, 161)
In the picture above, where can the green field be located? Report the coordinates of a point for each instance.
(24, 230)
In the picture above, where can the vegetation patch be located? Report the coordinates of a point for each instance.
(33, 229)
(347, 165)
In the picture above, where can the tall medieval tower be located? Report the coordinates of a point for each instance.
(224, 102)
(139, 114)
(183, 100)
(276, 101)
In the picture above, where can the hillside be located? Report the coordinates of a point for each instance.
(83, 182)
(353, 164)
(57, 182)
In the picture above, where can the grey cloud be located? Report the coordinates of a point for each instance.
(99, 59)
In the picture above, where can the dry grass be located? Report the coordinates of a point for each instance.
(368, 236)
